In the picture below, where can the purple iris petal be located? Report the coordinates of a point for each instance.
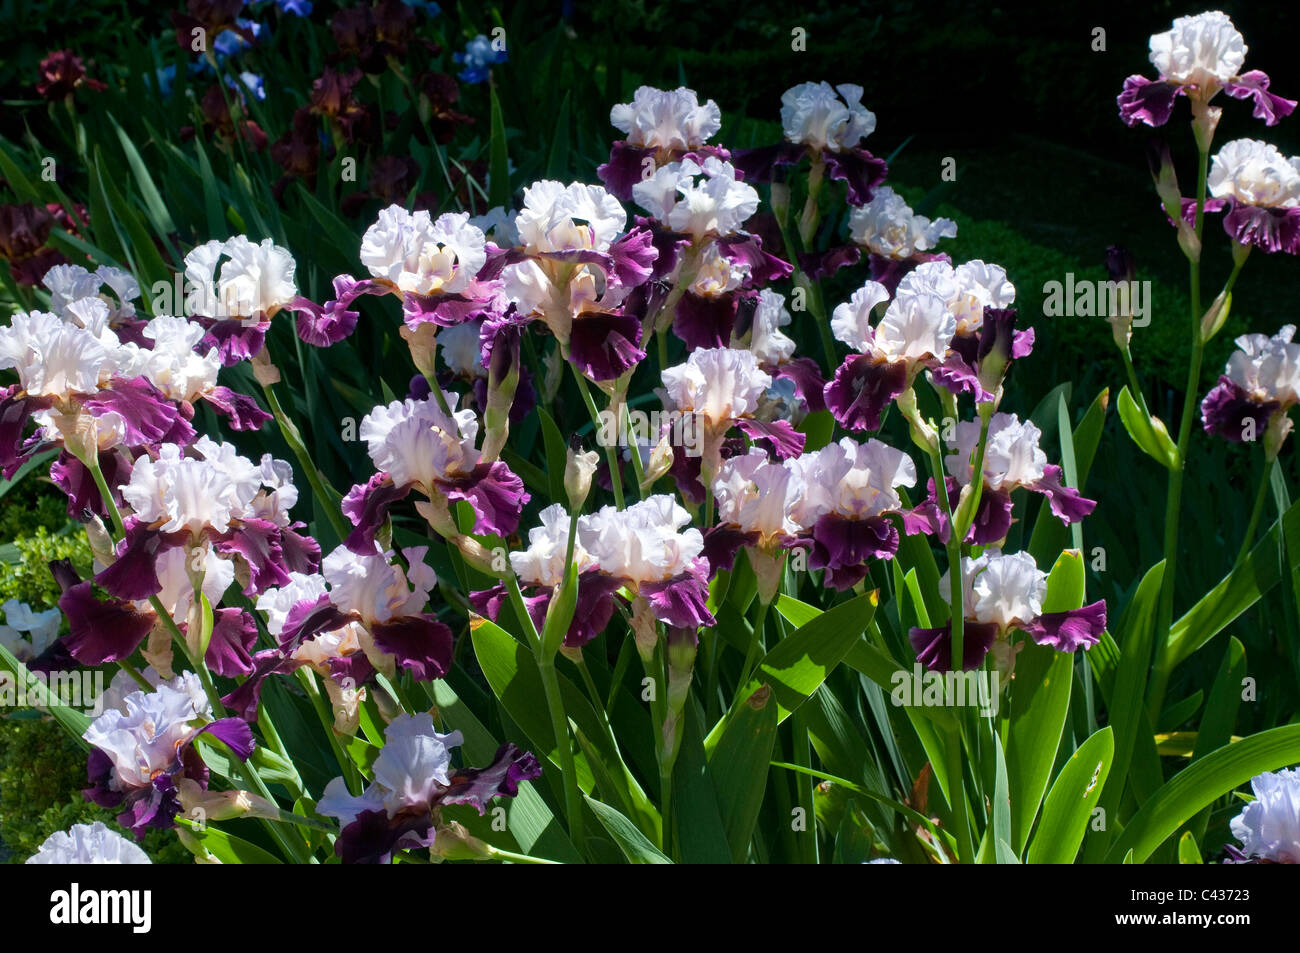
(372, 837)
(100, 774)
(861, 390)
(134, 575)
(153, 807)
(421, 644)
(236, 339)
(593, 610)
(957, 376)
(351, 670)
(705, 321)
(301, 553)
(818, 265)
(992, 518)
(998, 335)
(632, 258)
(148, 415)
(1068, 631)
(926, 519)
(497, 261)
(71, 476)
(786, 442)
(477, 786)
(625, 168)
(842, 546)
(682, 600)
(497, 496)
(1065, 501)
(862, 172)
(760, 165)
(241, 410)
(14, 413)
(234, 733)
(605, 345)
(1188, 208)
(669, 244)
(1146, 100)
(1271, 229)
(257, 542)
(1269, 107)
(764, 268)
(807, 378)
(488, 603)
(722, 543)
(243, 701)
(308, 619)
(323, 325)
(933, 647)
(234, 633)
(446, 311)
(366, 505)
(1228, 412)
(102, 630)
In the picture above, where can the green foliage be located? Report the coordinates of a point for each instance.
(24, 565)
(42, 772)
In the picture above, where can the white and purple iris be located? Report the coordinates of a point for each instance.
(661, 126)
(1261, 189)
(83, 389)
(648, 549)
(721, 388)
(363, 614)
(895, 238)
(210, 497)
(413, 779)
(234, 288)
(574, 270)
(88, 844)
(1001, 594)
(914, 332)
(850, 491)
(697, 213)
(139, 754)
(433, 265)
(1269, 826)
(26, 633)
(415, 445)
(1196, 58)
(540, 569)
(827, 123)
(1256, 391)
(1013, 459)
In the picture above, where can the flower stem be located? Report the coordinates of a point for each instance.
(1261, 495)
(611, 451)
(496, 853)
(1173, 501)
(560, 728)
(956, 582)
(351, 776)
(328, 496)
